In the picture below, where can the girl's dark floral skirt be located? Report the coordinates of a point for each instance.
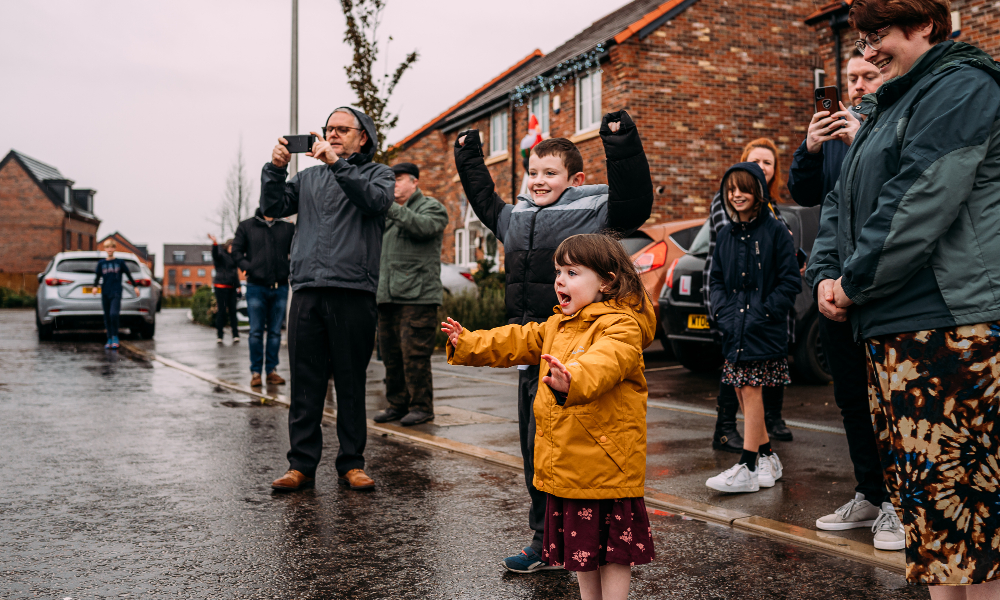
(586, 534)
(754, 373)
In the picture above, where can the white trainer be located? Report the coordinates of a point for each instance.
(856, 513)
(736, 479)
(777, 468)
(888, 530)
(765, 472)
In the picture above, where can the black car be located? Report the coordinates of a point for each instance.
(684, 316)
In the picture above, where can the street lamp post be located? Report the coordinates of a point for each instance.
(293, 165)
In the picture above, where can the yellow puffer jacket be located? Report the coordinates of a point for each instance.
(594, 446)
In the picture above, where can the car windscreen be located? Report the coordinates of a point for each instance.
(699, 246)
(635, 242)
(89, 265)
(683, 238)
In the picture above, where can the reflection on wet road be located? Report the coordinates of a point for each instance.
(123, 479)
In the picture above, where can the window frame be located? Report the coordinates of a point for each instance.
(185, 272)
(499, 143)
(595, 116)
(546, 107)
(206, 256)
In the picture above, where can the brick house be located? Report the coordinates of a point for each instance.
(42, 215)
(186, 267)
(701, 78)
(124, 245)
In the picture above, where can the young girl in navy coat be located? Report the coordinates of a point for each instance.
(753, 284)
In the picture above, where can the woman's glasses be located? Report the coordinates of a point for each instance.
(873, 39)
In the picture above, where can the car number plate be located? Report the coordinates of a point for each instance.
(698, 322)
(92, 290)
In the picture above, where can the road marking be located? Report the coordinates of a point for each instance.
(664, 368)
(708, 412)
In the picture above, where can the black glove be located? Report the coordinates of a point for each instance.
(472, 142)
(624, 143)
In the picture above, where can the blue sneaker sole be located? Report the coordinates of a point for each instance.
(534, 569)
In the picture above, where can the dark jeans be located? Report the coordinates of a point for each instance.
(266, 308)
(527, 386)
(406, 334)
(330, 331)
(225, 303)
(848, 366)
(112, 305)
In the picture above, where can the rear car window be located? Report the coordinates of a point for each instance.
(89, 265)
(635, 242)
(700, 244)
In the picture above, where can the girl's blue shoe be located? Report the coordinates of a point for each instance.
(108, 345)
(114, 342)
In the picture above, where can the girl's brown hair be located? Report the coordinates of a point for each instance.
(776, 183)
(604, 255)
(868, 16)
(746, 183)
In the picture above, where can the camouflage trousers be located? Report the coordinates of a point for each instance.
(935, 402)
(406, 334)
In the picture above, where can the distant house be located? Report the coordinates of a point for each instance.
(124, 245)
(701, 78)
(42, 214)
(186, 267)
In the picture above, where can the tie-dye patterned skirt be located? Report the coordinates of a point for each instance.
(935, 401)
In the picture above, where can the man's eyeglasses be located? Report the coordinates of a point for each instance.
(873, 39)
(341, 130)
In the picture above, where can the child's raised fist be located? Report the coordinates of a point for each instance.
(620, 137)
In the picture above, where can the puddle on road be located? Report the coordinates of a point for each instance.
(235, 404)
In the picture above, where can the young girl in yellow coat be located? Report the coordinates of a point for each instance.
(590, 440)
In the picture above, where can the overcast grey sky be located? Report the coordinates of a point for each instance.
(146, 101)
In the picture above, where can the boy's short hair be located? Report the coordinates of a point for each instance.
(564, 149)
(110, 243)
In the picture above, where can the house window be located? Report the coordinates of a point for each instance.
(172, 289)
(201, 272)
(79, 241)
(498, 133)
(171, 276)
(588, 101)
(91, 242)
(213, 272)
(69, 240)
(540, 108)
(179, 256)
(185, 272)
(206, 256)
(461, 246)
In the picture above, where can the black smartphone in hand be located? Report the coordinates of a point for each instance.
(802, 256)
(300, 143)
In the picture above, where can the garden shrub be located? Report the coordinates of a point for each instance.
(203, 307)
(14, 299)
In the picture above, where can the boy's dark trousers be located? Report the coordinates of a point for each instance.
(225, 303)
(112, 304)
(849, 368)
(406, 334)
(330, 331)
(527, 387)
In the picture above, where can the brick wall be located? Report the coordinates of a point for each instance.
(31, 230)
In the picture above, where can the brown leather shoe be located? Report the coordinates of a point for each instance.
(274, 379)
(255, 380)
(357, 479)
(293, 481)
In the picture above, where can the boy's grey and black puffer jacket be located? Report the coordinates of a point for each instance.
(912, 224)
(341, 208)
(531, 233)
(754, 281)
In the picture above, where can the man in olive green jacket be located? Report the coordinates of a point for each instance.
(409, 293)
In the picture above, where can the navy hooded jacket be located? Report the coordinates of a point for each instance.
(754, 281)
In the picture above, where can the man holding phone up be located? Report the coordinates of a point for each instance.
(342, 205)
(815, 170)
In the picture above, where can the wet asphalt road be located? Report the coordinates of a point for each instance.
(129, 480)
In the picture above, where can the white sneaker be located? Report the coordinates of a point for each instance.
(735, 479)
(888, 530)
(856, 513)
(777, 468)
(765, 472)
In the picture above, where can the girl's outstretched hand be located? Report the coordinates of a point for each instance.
(559, 376)
(452, 329)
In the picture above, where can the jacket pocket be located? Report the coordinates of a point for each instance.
(602, 439)
(406, 281)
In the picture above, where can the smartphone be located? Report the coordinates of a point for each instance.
(300, 143)
(828, 99)
(802, 256)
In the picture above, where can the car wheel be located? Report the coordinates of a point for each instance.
(147, 330)
(810, 359)
(697, 357)
(44, 331)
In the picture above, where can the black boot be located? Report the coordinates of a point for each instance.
(774, 398)
(726, 437)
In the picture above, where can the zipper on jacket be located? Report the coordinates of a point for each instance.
(527, 261)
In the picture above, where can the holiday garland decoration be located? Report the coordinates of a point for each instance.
(564, 72)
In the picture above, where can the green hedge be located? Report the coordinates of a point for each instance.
(176, 301)
(203, 307)
(485, 311)
(13, 299)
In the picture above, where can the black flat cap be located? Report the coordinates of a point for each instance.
(408, 168)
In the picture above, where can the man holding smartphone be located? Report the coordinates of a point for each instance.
(341, 206)
(815, 170)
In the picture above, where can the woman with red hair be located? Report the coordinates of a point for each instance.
(907, 251)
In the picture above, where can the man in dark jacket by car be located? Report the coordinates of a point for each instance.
(814, 173)
(261, 248)
(226, 284)
(409, 293)
(341, 206)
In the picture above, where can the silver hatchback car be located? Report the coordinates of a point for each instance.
(68, 299)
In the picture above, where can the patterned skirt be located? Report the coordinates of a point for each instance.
(587, 534)
(753, 373)
(936, 411)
